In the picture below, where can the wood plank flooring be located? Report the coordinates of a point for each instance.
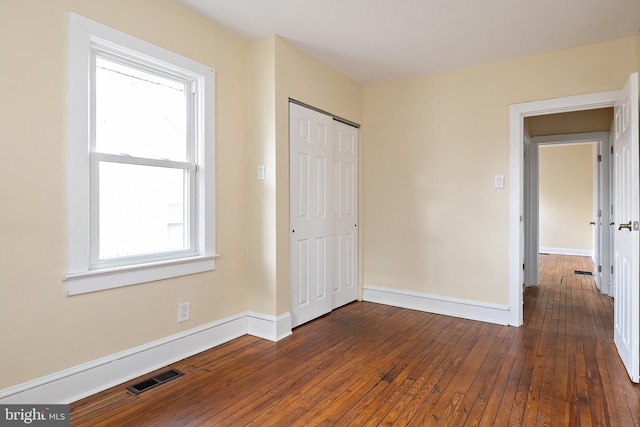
(367, 364)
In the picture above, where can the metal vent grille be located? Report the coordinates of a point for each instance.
(154, 381)
(586, 273)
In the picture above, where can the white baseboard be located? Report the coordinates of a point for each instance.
(466, 309)
(269, 327)
(80, 381)
(566, 251)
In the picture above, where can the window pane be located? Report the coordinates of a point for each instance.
(139, 113)
(142, 210)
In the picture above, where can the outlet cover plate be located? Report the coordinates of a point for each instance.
(184, 311)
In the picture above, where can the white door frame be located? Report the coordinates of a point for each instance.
(531, 215)
(517, 113)
(604, 217)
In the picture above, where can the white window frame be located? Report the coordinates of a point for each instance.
(83, 273)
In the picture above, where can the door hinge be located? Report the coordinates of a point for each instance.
(612, 269)
(523, 266)
(599, 269)
(612, 149)
(599, 212)
(599, 157)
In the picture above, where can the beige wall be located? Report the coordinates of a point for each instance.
(566, 190)
(433, 223)
(42, 330)
(261, 213)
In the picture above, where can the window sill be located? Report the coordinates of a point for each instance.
(99, 280)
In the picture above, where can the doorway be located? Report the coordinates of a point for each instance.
(626, 195)
(567, 199)
(570, 212)
(517, 242)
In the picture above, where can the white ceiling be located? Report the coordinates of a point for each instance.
(377, 40)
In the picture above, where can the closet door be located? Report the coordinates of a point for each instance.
(345, 214)
(310, 218)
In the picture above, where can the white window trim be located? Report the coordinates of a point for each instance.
(80, 278)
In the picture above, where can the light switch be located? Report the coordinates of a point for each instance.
(498, 181)
(260, 172)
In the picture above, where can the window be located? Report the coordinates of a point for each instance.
(141, 149)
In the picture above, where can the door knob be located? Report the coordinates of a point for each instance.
(627, 226)
(592, 223)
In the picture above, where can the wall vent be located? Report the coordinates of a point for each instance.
(154, 381)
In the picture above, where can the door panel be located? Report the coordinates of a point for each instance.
(309, 220)
(345, 213)
(303, 273)
(626, 198)
(303, 186)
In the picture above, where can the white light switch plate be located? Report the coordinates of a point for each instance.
(498, 181)
(260, 172)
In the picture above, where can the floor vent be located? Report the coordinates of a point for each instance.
(586, 273)
(155, 381)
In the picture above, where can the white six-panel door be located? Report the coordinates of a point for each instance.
(323, 213)
(310, 213)
(626, 183)
(345, 214)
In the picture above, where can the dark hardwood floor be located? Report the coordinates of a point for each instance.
(370, 364)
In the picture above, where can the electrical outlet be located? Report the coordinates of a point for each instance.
(184, 310)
